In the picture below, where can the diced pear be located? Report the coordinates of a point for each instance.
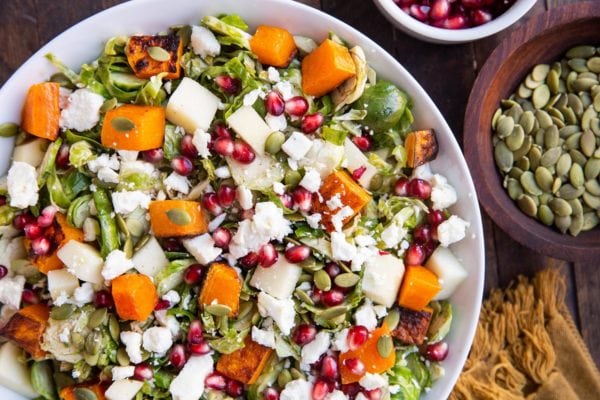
(150, 259)
(11, 250)
(31, 152)
(356, 159)
(247, 123)
(449, 270)
(323, 156)
(61, 281)
(382, 279)
(279, 280)
(192, 106)
(259, 175)
(124, 389)
(82, 260)
(15, 375)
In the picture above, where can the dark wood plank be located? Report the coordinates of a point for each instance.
(491, 262)
(587, 281)
(18, 21)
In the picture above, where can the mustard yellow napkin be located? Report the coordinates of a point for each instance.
(527, 347)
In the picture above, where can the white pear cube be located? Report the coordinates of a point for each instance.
(382, 279)
(449, 270)
(192, 106)
(279, 280)
(189, 384)
(61, 281)
(356, 159)
(150, 259)
(31, 152)
(13, 374)
(259, 175)
(323, 156)
(82, 260)
(124, 389)
(247, 123)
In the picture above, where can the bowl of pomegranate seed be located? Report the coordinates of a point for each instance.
(453, 21)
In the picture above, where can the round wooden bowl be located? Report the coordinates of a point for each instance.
(542, 39)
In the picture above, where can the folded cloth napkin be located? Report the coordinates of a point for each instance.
(527, 347)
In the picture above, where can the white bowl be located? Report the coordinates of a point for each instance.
(428, 33)
(83, 42)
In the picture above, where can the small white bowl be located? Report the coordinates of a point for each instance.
(428, 33)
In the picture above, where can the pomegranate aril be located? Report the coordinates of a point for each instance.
(234, 388)
(430, 246)
(435, 217)
(455, 22)
(194, 334)
(228, 84)
(333, 297)
(162, 305)
(32, 231)
(303, 334)
(242, 152)
(153, 156)
(355, 366)
(419, 188)
(221, 131)
(250, 260)
(480, 17)
(199, 349)
(187, 147)
(177, 357)
(297, 254)
(296, 106)
(332, 269)
(286, 200)
(62, 157)
(222, 236)
(210, 201)
(362, 142)
(351, 389)
(223, 146)
(3, 271)
(172, 244)
(47, 216)
(2, 200)
(40, 246)
(415, 255)
(215, 381)
(474, 4)
(267, 255)
(311, 122)
(103, 299)
(439, 9)
(143, 372)
(23, 219)
(271, 394)
(302, 199)
(226, 195)
(401, 187)
(358, 172)
(422, 234)
(420, 12)
(375, 394)
(329, 368)
(182, 165)
(320, 389)
(193, 274)
(437, 351)
(357, 336)
(29, 296)
(274, 104)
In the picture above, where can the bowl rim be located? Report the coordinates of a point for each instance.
(503, 210)
(440, 35)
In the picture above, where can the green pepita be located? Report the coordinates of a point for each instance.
(333, 312)
(583, 84)
(593, 187)
(550, 157)
(591, 201)
(292, 178)
(346, 280)
(504, 126)
(122, 124)
(562, 223)
(514, 188)
(218, 310)
(545, 215)
(577, 157)
(385, 346)
(274, 142)
(540, 96)
(544, 179)
(97, 318)
(560, 207)
(540, 72)
(572, 142)
(122, 357)
(524, 150)
(582, 51)
(113, 328)
(529, 184)
(576, 207)
(495, 117)
(523, 163)
(576, 225)
(524, 92)
(551, 137)
(159, 54)
(503, 156)
(527, 205)
(62, 312)
(590, 221)
(553, 80)
(304, 297)
(82, 393)
(392, 319)
(93, 343)
(284, 378)
(578, 65)
(527, 122)
(569, 192)
(576, 176)
(322, 280)
(515, 140)
(587, 143)
(8, 129)
(179, 216)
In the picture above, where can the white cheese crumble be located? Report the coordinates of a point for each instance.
(82, 110)
(119, 373)
(201, 140)
(202, 248)
(365, 316)
(273, 75)
(244, 197)
(334, 202)
(278, 188)
(116, 264)
(127, 202)
(276, 122)
(297, 145)
(223, 172)
(177, 182)
(133, 345)
(172, 297)
(336, 395)
(65, 336)
(365, 240)
(128, 155)
(452, 230)
(340, 248)
(422, 172)
(280, 310)
(11, 290)
(372, 381)
(189, 384)
(108, 175)
(22, 185)
(168, 321)
(340, 342)
(312, 351)
(83, 294)
(296, 390)
(337, 220)
(285, 89)
(104, 161)
(311, 180)
(204, 42)
(157, 339)
(216, 222)
(392, 235)
(251, 97)
(263, 337)
(443, 194)
(314, 220)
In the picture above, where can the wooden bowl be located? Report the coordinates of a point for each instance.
(543, 39)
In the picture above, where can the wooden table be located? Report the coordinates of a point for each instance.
(25, 25)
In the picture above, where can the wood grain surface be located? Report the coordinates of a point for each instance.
(446, 72)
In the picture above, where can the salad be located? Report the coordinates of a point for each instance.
(212, 214)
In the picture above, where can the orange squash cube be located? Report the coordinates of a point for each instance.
(142, 62)
(246, 364)
(41, 111)
(135, 296)
(351, 194)
(418, 288)
(327, 67)
(26, 329)
(273, 46)
(133, 127)
(421, 147)
(221, 286)
(171, 218)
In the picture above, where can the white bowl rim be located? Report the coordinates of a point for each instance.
(441, 35)
(371, 48)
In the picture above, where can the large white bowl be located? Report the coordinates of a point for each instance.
(84, 42)
(429, 33)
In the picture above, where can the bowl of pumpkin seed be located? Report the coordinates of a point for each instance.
(532, 133)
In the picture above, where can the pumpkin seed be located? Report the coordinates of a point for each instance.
(218, 310)
(582, 51)
(558, 121)
(578, 65)
(392, 319)
(522, 152)
(583, 84)
(527, 205)
(587, 143)
(572, 142)
(122, 357)
(551, 137)
(82, 393)
(334, 312)
(556, 185)
(550, 157)
(543, 119)
(108, 105)
(311, 265)
(515, 140)
(595, 126)
(62, 312)
(179, 216)
(98, 317)
(535, 157)
(590, 221)
(576, 104)
(113, 328)
(569, 192)
(8, 129)
(159, 54)
(514, 189)
(545, 215)
(562, 223)
(122, 124)
(576, 207)
(569, 116)
(495, 117)
(515, 112)
(527, 122)
(93, 343)
(596, 103)
(555, 114)
(274, 142)
(304, 297)
(322, 280)
(577, 157)
(529, 184)
(508, 103)
(515, 173)
(592, 186)
(552, 81)
(592, 201)
(296, 374)
(571, 77)
(376, 182)
(292, 178)
(524, 92)
(540, 72)
(544, 179)
(522, 163)
(576, 176)
(568, 131)
(560, 207)
(284, 378)
(503, 156)
(576, 225)
(141, 243)
(540, 96)
(385, 346)
(346, 280)
(530, 83)
(505, 126)
(586, 99)
(587, 116)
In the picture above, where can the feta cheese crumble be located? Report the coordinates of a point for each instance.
(296, 390)
(311, 180)
(313, 350)
(133, 345)
(202, 248)
(452, 230)
(297, 145)
(314, 220)
(280, 310)
(119, 373)
(443, 194)
(204, 42)
(365, 316)
(276, 123)
(201, 140)
(372, 381)
(157, 339)
(263, 337)
(126, 202)
(177, 182)
(340, 248)
(244, 197)
(11, 290)
(189, 384)
(22, 185)
(82, 110)
(116, 264)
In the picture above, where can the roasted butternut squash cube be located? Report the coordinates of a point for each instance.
(421, 147)
(221, 286)
(152, 55)
(273, 46)
(59, 233)
(413, 326)
(26, 329)
(135, 296)
(171, 218)
(418, 288)
(134, 127)
(246, 364)
(41, 111)
(70, 392)
(341, 185)
(327, 67)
